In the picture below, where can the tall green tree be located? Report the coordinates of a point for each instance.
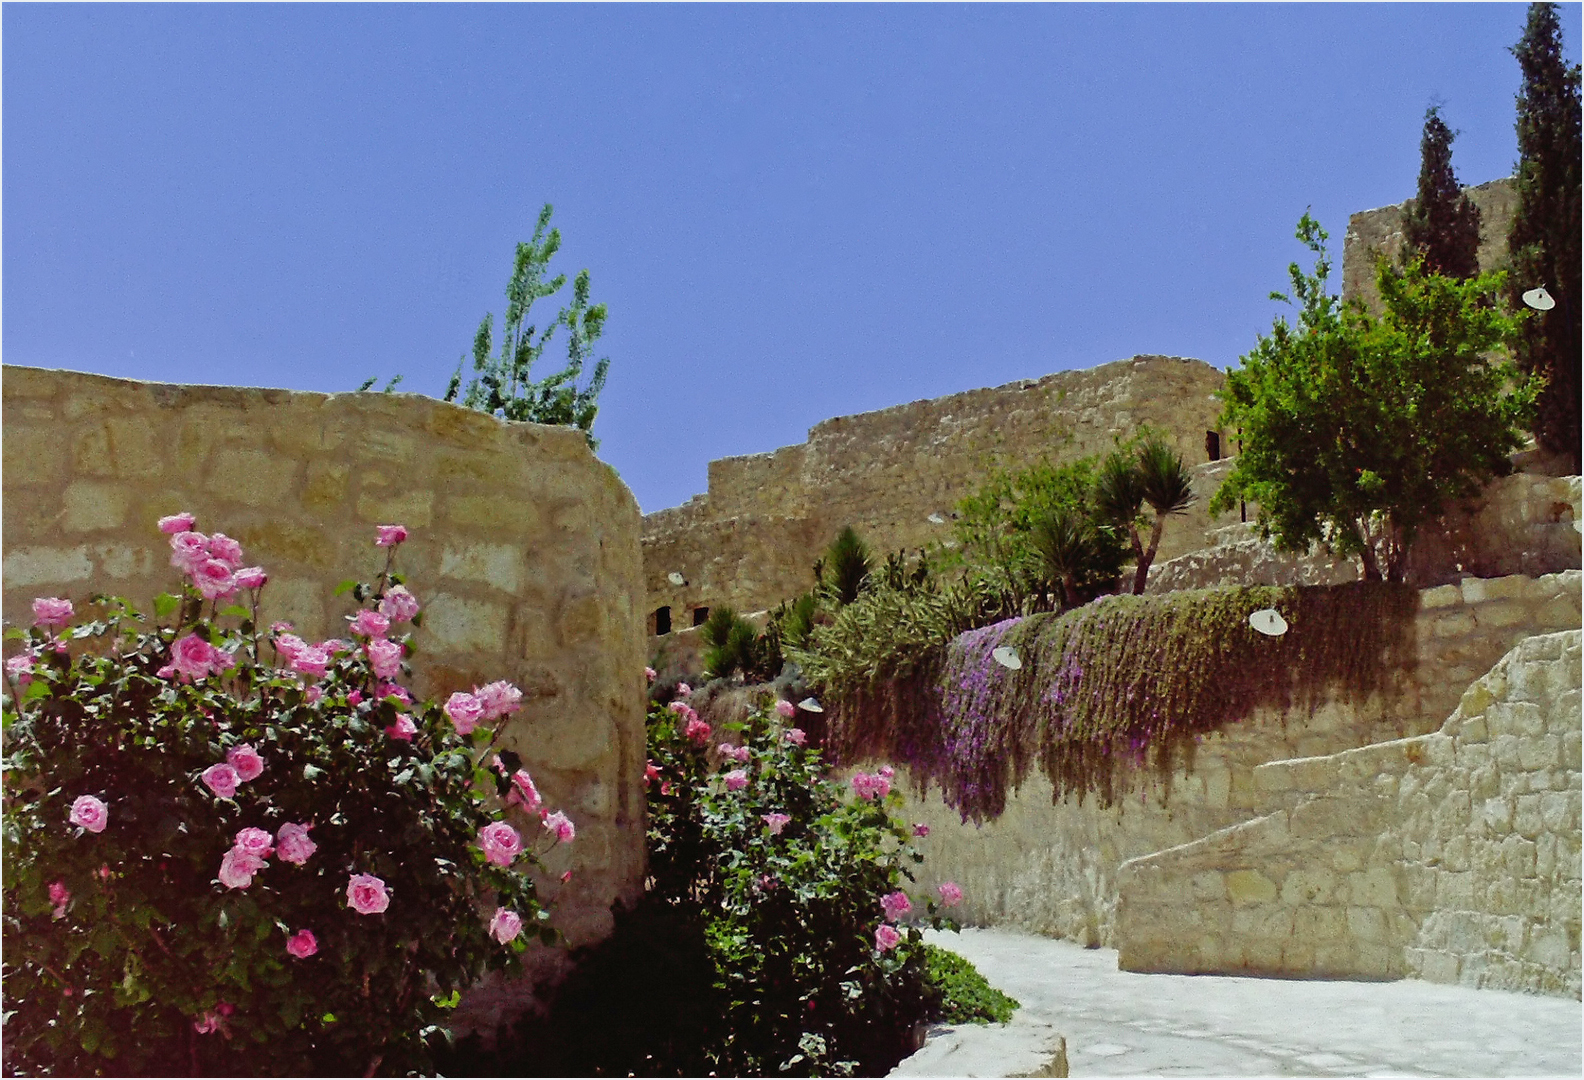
(1544, 239)
(1358, 429)
(504, 384)
(1442, 224)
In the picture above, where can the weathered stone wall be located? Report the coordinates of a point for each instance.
(523, 550)
(1051, 869)
(1382, 230)
(1452, 856)
(750, 542)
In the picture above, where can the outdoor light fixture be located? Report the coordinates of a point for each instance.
(808, 704)
(1006, 656)
(675, 578)
(1269, 622)
(1539, 299)
(937, 519)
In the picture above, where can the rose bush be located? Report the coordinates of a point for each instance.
(232, 851)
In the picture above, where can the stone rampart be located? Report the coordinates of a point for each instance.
(1452, 856)
(1052, 868)
(887, 472)
(523, 549)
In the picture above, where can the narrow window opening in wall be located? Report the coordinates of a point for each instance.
(662, 620)
(700, 616)
(1213, 445)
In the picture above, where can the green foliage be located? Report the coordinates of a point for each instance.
(1103, 687)
(794, 621)
(149, 944)
(966, 998)
(504, 385)
(1355, 430)
(846, 567)
(1442, 224)
(1067, 544)
(734, 645)
(1147, 471)
(1543, 240)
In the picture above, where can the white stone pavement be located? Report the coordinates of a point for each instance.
(1120, 1023)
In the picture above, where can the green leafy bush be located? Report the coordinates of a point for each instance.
(154, 770)
(965, 996)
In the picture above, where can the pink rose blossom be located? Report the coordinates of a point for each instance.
(649, 674)
(506, 925)
(281, 626)
(245, 760)
(238, 867)
(665, 787)
(498, 699)
(464, 711)
(224, 549)
(523, 791)
(796, 736)
(177, 523)
(366, 894)
(20, 667)
(59, 896)
(684, 689)
(651, 772)
(385, 658)
(951, 893)
(679, 707)
(777, 822)
(188, 549)
(920, 830)
(288, 645)
(311, 660)
(500, 842)
(337, 645)
(255, 842)
(302, 944)
(895, 905)
(51, 611)
(786, 709)
(221, 779)
(390, 535)
(207, 1024)
(736, 780)
(403, 729)
(866, 786)
(214, 579)
(370, 624)
(398, 605)
(886, 772)
(386, 690)
(354, 699)
(191, 657)
(697, 730)
(90, 813)
(312, 695)
(252, 577)
(292, 843)
(887, 938)
(561, 825)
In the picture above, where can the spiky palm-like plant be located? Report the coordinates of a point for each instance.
(846, 567)
(1067, 545)
(1153, 475)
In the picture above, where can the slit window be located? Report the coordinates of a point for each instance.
(662, 620)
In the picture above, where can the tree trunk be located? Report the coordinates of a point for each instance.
(1139, 558)
(1371, 567)
(1141, 573)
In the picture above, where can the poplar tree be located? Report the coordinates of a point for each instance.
(1442, 224)
(1544, 239)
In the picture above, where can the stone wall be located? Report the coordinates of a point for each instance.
(1453, 856)
(1051, 869)
(523, 549)
(1382, 230)
(750, 542)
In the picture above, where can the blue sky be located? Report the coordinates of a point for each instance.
(793, 212)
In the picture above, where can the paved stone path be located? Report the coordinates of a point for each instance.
(1119, 1023)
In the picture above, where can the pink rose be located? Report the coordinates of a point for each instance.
(312, 695)
(886, 772)
(255, 842)
(238, 867)
(561, 825)
(370, 624)
(684, 689)
(523, 791)
(366, 894)
(281, 626)
(796, 737)
(398, 605)
(385, 658)
(311, 660)
(651, 772)
(90, 813)
(736, 780)
(177, 523)
(221, 779)
(777, 822)
(292, 843)
(337, 645)
(679, 707)
(887, 938)
(224, 549)
(921, 830)
(498, 699)
(245, 760)
(354, 699)
(214, 579)
(288, 645)
(207, 1024)
(649, 674)
(464, 711)
(895, 905)
(390, 535)
(697, 730)
(506, 925)
(188, 549)
(385, 691)
(20, 667)
(252, 577)
(302, 944)
(500, 842)
(403, 729)
(786, 708)
(51, 611)
(951, 893)
(866, 786)
(59, 897)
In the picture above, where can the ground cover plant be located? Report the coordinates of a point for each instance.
(231, 851)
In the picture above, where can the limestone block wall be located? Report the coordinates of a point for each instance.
(1052, 868)
(523, 549)
(1452, 856)
(886, 472)
(1382, 230)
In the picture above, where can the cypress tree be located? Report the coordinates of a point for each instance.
(1544, 240)
(1442, 223)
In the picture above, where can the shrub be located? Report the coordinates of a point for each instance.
(965, 996)
(152, 772)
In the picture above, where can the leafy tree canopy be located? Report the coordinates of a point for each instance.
(1356, 429)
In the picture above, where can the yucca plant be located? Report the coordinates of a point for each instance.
(845, 568)
(1153, 474)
